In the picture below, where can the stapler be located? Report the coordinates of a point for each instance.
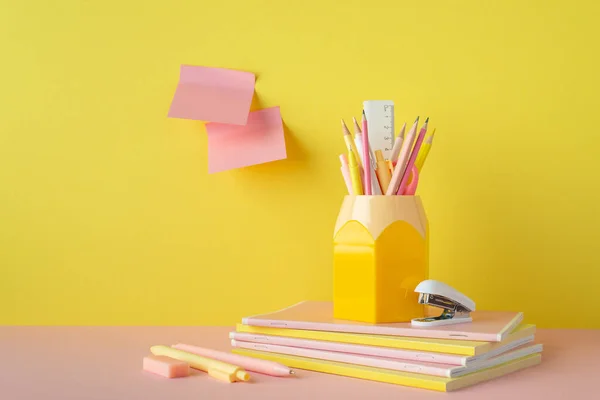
(457, 307)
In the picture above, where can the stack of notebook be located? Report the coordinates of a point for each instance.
(443, 358)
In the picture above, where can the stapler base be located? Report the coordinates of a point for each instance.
(438, 321)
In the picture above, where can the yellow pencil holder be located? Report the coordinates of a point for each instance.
(381, 253)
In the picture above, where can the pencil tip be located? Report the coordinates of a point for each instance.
(417, 120)
(427, 120)
(356, 126)
(364, 116)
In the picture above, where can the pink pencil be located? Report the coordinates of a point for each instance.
(402, 159)
(366, 158)
(413, 157)
(249, 363)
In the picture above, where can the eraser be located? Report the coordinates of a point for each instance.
(166, 366)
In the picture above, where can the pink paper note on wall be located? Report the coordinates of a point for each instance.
(259, 141)
(213, 94)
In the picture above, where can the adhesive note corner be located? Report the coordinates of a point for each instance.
(261, 140)
(213, 94)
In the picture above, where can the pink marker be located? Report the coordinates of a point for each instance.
(366, 158)
(413, 157)
(411, 187)
(248, 363)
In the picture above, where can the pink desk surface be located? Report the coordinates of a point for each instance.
(102, 363)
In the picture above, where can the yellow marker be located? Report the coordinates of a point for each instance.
(217, 369)
(382, 171)
(355, 174)
(350, 145)
(391, 166)
(424, 151)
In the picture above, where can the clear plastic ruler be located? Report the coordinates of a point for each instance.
(380, 120)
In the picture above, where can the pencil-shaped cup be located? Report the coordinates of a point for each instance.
(380, 246)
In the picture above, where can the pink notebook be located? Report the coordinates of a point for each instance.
(377, 351)
(419, 367)
(488, 326)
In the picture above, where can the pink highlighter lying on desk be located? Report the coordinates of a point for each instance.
(248, 363)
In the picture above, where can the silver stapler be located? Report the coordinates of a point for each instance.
(456, 306)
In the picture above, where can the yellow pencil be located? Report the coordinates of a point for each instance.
(350, 145)
(424, 152)
(355, 173)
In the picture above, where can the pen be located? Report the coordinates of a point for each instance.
(249, 363)
(402, 160)
(424, 151)
(383, 171)
(413, 157)
(366, 159)
(346, 173)
(354, 174)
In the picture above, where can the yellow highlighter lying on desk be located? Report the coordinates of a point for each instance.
(217, 369)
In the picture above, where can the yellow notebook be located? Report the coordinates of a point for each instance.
(396, 377)
(461, 347)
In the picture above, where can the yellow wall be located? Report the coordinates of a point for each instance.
(108, 215)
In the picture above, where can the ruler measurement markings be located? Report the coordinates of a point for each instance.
(380, 119)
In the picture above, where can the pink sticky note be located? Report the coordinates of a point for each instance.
(213, 94)
(259, 141)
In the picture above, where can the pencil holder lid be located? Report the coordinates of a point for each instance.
(376, 213)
